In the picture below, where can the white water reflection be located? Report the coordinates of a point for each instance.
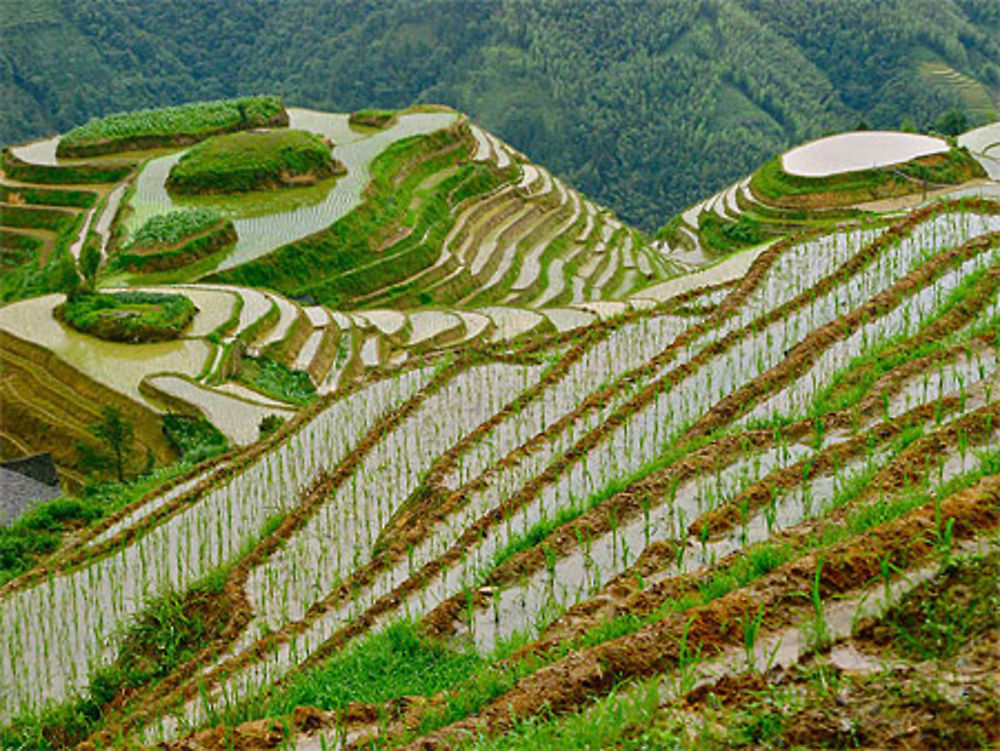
(847, 152)
(120, 366)
(268, 219)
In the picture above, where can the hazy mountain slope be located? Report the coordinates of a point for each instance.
(646, 108)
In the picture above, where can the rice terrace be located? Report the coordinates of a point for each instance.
(374, 433)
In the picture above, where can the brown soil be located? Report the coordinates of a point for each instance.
(950, 705)
(864, 692)
(578, 678)
(856, 693)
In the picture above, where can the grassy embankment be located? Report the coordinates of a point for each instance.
(772, 185)
(241, 162)
(785, 203)
(276, 380)
(372, 119)
(179, 238)
(359, 254)
(171, 126)
(128, 316)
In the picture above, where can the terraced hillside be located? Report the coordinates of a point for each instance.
(821, 183)
(437, 235)
(527, 486)
(579, 88)
(470, 223)
(608, 519)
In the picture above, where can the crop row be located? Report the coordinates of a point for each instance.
(146, 128)
(491, 519)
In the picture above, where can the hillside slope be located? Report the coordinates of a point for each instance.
(435, 236)
(498, 469)
(606, 517)
(645, 108)
(432, 235)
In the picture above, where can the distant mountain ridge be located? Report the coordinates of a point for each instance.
(646, 107)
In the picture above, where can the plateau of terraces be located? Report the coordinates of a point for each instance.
(374, 433)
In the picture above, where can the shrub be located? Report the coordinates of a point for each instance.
(270, 424)
(726, 236)
(372, 118)
(164, 230)
(185, 123)
(240, 162)
(128, 316)
(194, 438)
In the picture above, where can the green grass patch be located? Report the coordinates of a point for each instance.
(17, 249)
(194, 438)
(951, 168)
(37, 217)
(372, 118)
(383, 666)
(257, 160)
(10, 240)
(398, 661)
(176, 239)
(164, 230)
(167, 125)
(67, 197)
(604, 724)
(128, 316)
(40, 530)
(273, 379)
(47, 174)
(724, 236)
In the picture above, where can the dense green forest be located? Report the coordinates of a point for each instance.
(646, 106)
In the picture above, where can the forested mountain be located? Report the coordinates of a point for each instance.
(645, 106)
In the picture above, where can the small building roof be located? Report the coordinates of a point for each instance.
(26, 482)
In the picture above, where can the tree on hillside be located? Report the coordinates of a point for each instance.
(952, 123)
(117, 435)
(64, 277)
(90, 262)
